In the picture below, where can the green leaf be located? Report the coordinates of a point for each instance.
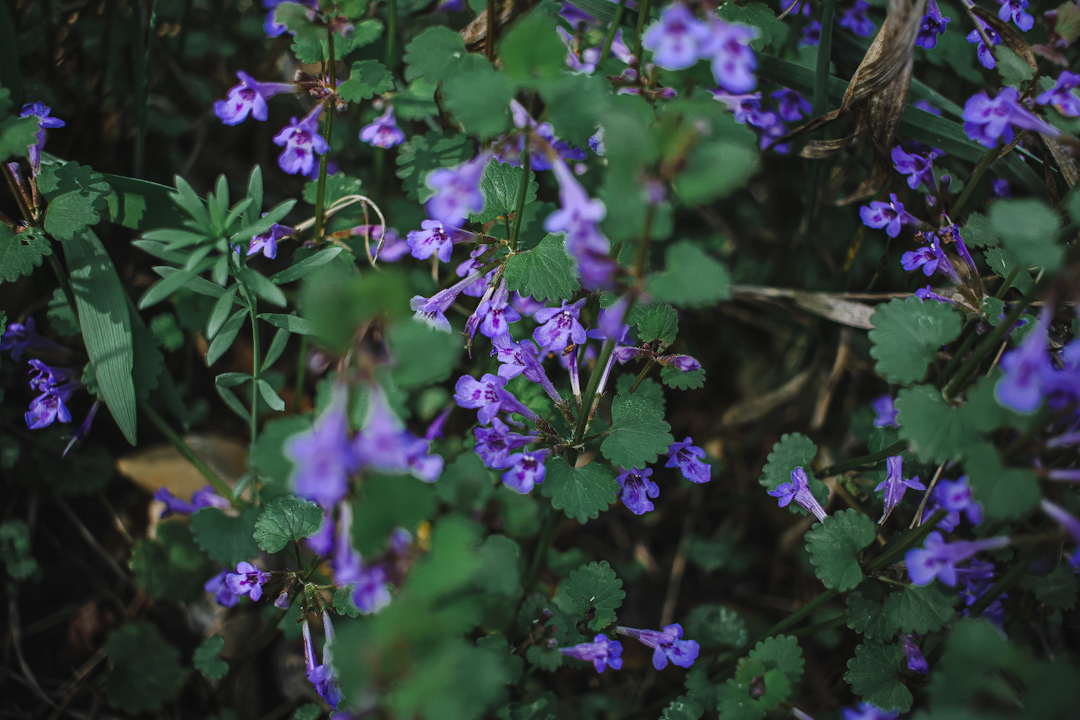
(434, 55)
(207, 659)
(979, 232)
(866, 614)
(648, 389)
(389, 503)
(675, 378)
(735, 702)
(682, 708)
(935, 431)
(17, 134)
(367, 79)
(546, 271)
(579, 492)
(639, 434)
(907, 335)
(479, 97)
(592, 588)
(532, 52)
(310, 711)
(545, 707)
(1011, 67)
(699, 688)
(500, 566)
(146, 672)
(781, 652)
(874, 673)
(1056, 589)
(292, 323)
(21, 252)
(756, 15)
(713, 625)
(660, 322)
(106, 325)
(306, 266)
(575, 105)
(691, 278)
(227, 540)
(1028, 229)
(170, 566)
(363, 33)
(714, 170)
(1005, 493)
(343, 601)
(834, 548)
(500, 184)
(421, 355)
(141, 205)
(1002, 262)
(465, 483)
(308, 38)
(286, 518)
(423, 153)
(920, 609)
(338, 185)
(793, 451)
(15, 549)
(76, 196)
(225, 337)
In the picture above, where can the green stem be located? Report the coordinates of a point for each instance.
(523, 190)
(811, 630)
(220, 486)
(980, 170)
(61, 276)
(591, 388)
(641, 375)
(324, 159)
(960, 352)
(643, 16)
(859, 462)
(301, 370)
(606, 50)
(1008, 282)
(255, 393)
(391, 32)
(547, 534)
(144, 91)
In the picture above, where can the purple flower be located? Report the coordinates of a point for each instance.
(247, 580)
(482, 395)
(494, 444)
(790, 105)
(522, 358)
(1067, 521)
(384, 443)
(249, 97)
(799, 491)
(206, 497)
(855, 20)
(927, 293)
(384, 132)
(687, 457)
(1026, 369)
(989, 121)
(890, 215)
(930, 258)
(811, 34)
(41, 112)
(915, 660)
(866, 711)
(323, 676)
(433, 239)
(918, 168)
(668, 645)
(601, 652)
(937, 559)
(886, 412)
(497, 313)
(1061, 97)
(55, 389)
(1015, 9)
(955, 496)
(322, 457)
(470, 266)
(457, 191)
(676, 38)
(927, 107)
(933, 24)
(20, 337)
(267, 242)
(682, 363)
(895, 485)
(223, 594)
(433, 310)
(526, 470)
(84, 429)
(986, 58)
(746, 108)
(559, 327)
(637, 488)
(301, 140)
(1001, 187)
(732, 58)
(371, 594)
(577, 217)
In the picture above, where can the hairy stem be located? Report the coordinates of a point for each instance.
(643, 17)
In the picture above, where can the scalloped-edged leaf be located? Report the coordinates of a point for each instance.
(594, 589)
(228, 540)
(907, 334)
(639, 434)
(546, 271)
(874, 673)
(21, 252)
(793, 450)
(834, 548)
(579, 492)
(919, 609)
(285, 519)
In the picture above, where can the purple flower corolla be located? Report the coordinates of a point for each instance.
(927, 293)
(323, 457)
(1000, 187)
(601, 652)
(746, 108)
(676, 39)
(323, 676)
(855, 20)
(790, 105)
(473, 264)
(433, 239)
(1015, 9)
(20, 337)
(667, 643)
(267, 242)
(247, 580)
(890, 216)
(866, 711)
(955, 496)
(933, 24)
(370, 595)
(732, 59)
(937, 559)
(497, 313)
(687, 457)
(799, 491)
(526, 471)
(55, 388)
(885, 412)
(811, 34)
(384, 132)
(918, 168)
(432, 311)
(494, 444)
(1026, 370)
(249, 97)
(435, 429)
(931, 259)
(384, 443)
(989, 121)
(322, 542)
(41, 112)
(1061, 97)
(1067, 521)
(301, 140)
(84, 429)
(637, 488)
(895, 485)
(577, 216)
(457, 191)
(223, 594)
(559, 326)
(915, 660)
(986, 57)
(682, 363)
(205, 497)
(481, 395)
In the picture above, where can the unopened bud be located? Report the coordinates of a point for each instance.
(551, 644)
(546, 614)
(282, 600)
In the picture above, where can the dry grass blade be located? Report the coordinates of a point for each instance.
(1063, 159)
(475, 33)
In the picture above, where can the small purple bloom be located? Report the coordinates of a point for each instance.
(1061, 96)
(384, 132)
(457, 191)
(20, 337)
(41, 112)
(687, 457)
(494, 444)
(866, 711)
(927, 293)
(933, 24)
(886, 412)
(433, 239)
(676, 38)
(637, 488)
(470, 266)
(986, 57)
(1001, 187)
(371, 594)
(915, 660)
(384, 443)
(267, 242)
(890, 216)
(323, 676)
(791, 105)
(323, 457)
(223, 594)
(526, 470)
(577, 217)
(55, 389)
(482, 395)
(937, 559)
(918, 168)
(249, 97)
(206, 497)
(497, 313)
(1015, 9)
(746, 108)
(682, 363)
(301, 140)
(559, 327)
(247, 580)
(1026, 369)
(1067, 521)
(799, 491)
(855, 20)
(811, 34)
(955, 496)
(433, 310)
(895, 485)
(601, 652)
(668, 645)
(732, 58)
(989, 121)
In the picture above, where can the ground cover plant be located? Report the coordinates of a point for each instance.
(531, 360)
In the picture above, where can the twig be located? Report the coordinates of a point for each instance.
(917, 520)
(93, 543)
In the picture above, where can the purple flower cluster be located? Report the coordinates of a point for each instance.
(679, 39)
(322, 676)
(989, 121)
(602, 652)
(667, 643)
(457, 192)
(938, 559)
(1061, 96)
(918, 168)
(891, 216)
(932, 258)
(985, 55)
(790, 106)
(855, 20)
(1030, 374)
(20, 337)
(56, 386)
(933, 24)
(578, 216)
(799, 491)
(248, 98)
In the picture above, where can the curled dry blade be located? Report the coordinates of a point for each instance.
(475, 33)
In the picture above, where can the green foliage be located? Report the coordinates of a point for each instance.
(648, 389)
(17, 135)
(935, 431)
(866, 615)
(501, 566)
(579, 492)
(715, 170)
(792, 451)
(1057, 588)
(675, 378)
(227, 540)
(979, 232)
(639, 434)
(76, 196)
(782, 653)
(338, 185)
(834, 548)
(546, 271)
(423, 153)
(1005, 493)
(434, 55)
(146, 672)
(756, 15)
(479, 97)
(285, 519)
(763, 679)
(874, 673)
(691, 278)
(591, 592)
(207, 659)
(171, 567)
(532, 53)
(907, 334)
(309, 711)
(367, 79)
(660, 322)
(544, 707)
(499, 185)
(735, 703)
(465, 483)
(1002, 262)
(920, 609)
(389, 503)
(713, 625)
(15, 550)
(21, 252)
(1029, 229)
(421, 355)
(682, 708)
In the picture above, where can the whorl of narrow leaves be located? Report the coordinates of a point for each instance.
(639, 434)
(594, 589)
(874, 674)
(285, 519)
(834, 548)
(546, 271)
(908, 334)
